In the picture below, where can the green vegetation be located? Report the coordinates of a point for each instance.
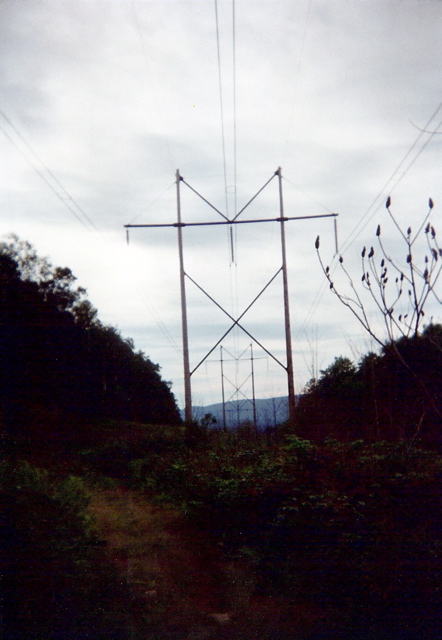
(60, 367)
(379, 399)
(55, 583)
(120, 522)
(346, 523)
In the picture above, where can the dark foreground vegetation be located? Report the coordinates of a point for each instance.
(59, 365)
(340, 540)
(382, 397)
(120, 522)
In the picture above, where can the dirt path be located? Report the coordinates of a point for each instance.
(180, 588)
(173, 576)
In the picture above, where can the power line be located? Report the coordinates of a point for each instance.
(78, 210)
(221, 104)
(357, 230)
(234, 99)
(160, 324)
(75, 209)
(298, 74)
(235, 181)
(152, 202)
(149, 69)
(308, 195)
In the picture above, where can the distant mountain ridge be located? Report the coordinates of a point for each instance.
(269, 412)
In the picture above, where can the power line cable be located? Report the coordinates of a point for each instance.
(234, 102)
(150, 74)
(234, 234)
(221, 104)
(308, 195)
(74, 212)
(163, 328)
(157, 319)
(66, 203)
(356, 230)
(152, 202)
(297, 77)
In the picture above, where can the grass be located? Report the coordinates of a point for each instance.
(181, 587)
(172, 575)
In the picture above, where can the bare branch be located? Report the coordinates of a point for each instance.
(384, 278)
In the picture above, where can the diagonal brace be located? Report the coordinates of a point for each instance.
(236, 322)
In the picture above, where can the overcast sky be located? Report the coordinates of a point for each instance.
(101, 101)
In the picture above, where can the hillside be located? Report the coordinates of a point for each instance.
(119, 522)
(270, 412)
(60, 365)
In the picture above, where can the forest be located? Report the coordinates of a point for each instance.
(119, 521)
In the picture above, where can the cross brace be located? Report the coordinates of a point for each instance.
(236, 322)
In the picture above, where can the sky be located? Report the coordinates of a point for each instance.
(101, 101)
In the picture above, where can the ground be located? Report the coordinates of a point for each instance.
(180, 584)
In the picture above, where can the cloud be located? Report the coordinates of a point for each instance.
(113, 97)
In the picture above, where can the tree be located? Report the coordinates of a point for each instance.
(56, 284)
(398, 403)
(58, 363)
(378, 399)
(331, 406)
(400, 289)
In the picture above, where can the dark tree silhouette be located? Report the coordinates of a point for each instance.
(400, 288)
(58, 363)
(378, 399)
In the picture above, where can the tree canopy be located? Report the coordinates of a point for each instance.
(379, 398)
(58, 362)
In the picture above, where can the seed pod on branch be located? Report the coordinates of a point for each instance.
(388, 203)
(317, 243)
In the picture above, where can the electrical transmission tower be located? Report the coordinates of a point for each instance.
(243, 402)
(236, 322)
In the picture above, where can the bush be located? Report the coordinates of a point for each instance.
(56, 583)
(340, 524)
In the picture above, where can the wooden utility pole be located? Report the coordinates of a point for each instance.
(186, 362)
(288, 333)
(282, 219)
